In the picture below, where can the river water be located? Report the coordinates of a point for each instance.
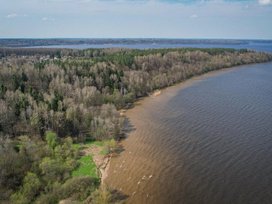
(208, 140)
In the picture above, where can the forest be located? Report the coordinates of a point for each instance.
(51, 99)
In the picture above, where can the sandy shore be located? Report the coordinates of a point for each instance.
(156, 93)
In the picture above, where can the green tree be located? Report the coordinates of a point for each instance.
(54, 170)
(51, 139)
(29, 190)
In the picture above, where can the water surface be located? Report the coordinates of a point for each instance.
(206, 141)
(145, 43)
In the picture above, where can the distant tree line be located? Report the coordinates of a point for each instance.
(13, 42)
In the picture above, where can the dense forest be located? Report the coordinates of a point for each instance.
(52, 98)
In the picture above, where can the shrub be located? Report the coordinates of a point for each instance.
(78, 188)
(29, 190)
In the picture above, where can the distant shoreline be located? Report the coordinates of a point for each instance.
(135, 43)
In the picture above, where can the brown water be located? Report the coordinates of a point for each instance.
(208, 140)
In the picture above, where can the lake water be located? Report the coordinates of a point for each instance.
(257, 45)
(208, 140)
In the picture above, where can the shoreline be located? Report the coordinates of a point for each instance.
(185, 83)
(188, 82)
(101, 161)
(182, 84)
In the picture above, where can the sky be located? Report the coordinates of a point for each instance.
(228, 19)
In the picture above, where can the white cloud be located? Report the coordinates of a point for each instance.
(15, 15)
(265, 2)
(12, 15)
(194, 16)
(48, 19)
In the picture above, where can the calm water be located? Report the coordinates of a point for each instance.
(206, 141)
(265, 46)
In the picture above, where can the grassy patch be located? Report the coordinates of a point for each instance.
(86, 168)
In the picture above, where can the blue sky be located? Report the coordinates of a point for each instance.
(242, 19)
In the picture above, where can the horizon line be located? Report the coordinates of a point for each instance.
(132, 38)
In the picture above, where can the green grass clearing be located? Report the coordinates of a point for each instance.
(86, 168)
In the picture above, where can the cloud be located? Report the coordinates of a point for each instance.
(15, 15)
(265, 2)
(194, 16)
(48, 19)
(12, 15)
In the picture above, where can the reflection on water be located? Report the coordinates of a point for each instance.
(208, 142)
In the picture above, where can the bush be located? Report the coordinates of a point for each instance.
(78, 188)
(29, 190)
(101, 196)
(111, 146)
(51, 139)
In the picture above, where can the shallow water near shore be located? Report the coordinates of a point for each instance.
(208, 140)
